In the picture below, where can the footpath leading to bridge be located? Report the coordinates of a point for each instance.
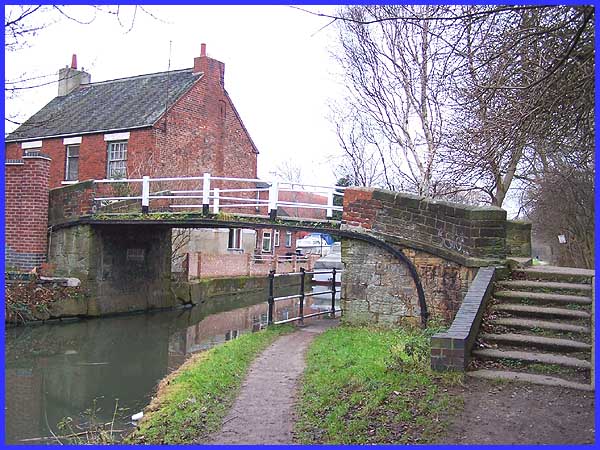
(264, 410)
(493, 412)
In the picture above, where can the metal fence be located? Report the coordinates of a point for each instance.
(302, 295)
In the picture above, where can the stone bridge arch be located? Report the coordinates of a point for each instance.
(444, 243)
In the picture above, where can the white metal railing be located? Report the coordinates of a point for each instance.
(218, 198)
(268, 258)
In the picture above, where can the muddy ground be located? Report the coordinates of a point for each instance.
(515, 413)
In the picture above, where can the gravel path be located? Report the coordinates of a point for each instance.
(263, 412)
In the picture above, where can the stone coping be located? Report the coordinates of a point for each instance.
(451, 349)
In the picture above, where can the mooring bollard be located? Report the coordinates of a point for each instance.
(271, 298)
(302, 276)
(333, 294)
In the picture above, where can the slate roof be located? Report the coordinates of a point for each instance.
(121, 104)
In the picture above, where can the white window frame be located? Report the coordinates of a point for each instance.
(121, 158)
(67, 160)
(276, 238)
(266, 237)
(235, 236)
(288, 239)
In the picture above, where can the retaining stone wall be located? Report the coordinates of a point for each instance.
(451, 349)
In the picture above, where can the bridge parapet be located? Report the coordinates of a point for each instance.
(468, 235)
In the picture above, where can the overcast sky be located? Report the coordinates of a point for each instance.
(278, 71)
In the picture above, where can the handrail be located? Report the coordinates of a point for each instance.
(272, 299)
(213, 196)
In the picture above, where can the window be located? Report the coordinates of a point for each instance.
(72, 167)
(117, 160)
(276, 238)
(288, 238)
(266, 241)
(235, 238)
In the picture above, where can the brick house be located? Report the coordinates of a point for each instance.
(176, 123)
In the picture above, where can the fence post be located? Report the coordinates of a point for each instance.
(302, 276)
(273, 199)
(271, 298)
(145, 194)
(216, 201)
(330, 204)
(333, 294)
(205, 193)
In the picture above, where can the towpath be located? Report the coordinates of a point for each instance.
(264, 410)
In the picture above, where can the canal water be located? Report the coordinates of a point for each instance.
(58, 371)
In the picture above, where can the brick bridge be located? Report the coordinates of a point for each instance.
(406, 258)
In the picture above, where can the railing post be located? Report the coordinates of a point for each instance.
(271, 298)
(205, 193)
(330, 204)
(333, 294)
(273, 199)
(216, 201)
(302, 276)
(145, 194)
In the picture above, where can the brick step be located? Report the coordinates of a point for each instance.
(514, 322)
(536, 341)
(541, 311)
(530, 357)
(528, 378)
(553, 273)
(545, 285)
(542, 297)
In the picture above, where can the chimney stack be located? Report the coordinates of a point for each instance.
(212, 69)
(69, 78)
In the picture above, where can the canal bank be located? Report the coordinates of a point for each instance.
(57, 370)
(40, 299)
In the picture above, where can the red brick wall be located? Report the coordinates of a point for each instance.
(359, 207)
(26, 211)
(222, 265)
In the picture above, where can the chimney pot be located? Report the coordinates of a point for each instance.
(74, 61)
(202, 49)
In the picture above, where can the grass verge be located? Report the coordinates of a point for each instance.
(373, 386)
(192, 401)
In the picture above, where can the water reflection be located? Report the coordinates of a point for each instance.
(56, 371)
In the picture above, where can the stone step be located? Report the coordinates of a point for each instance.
(544, 358)
(555, 273)
(545, 285)
(536, 341)
(528, 378)
(514, 322)
(543, 311)
(543, 297)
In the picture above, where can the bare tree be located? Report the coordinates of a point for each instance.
(508, 89)
(524, 95)
(23, 24)
(395, 71)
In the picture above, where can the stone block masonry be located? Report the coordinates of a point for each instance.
(460, 233)
(26, 211)
(445, 242)
(518, 239)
